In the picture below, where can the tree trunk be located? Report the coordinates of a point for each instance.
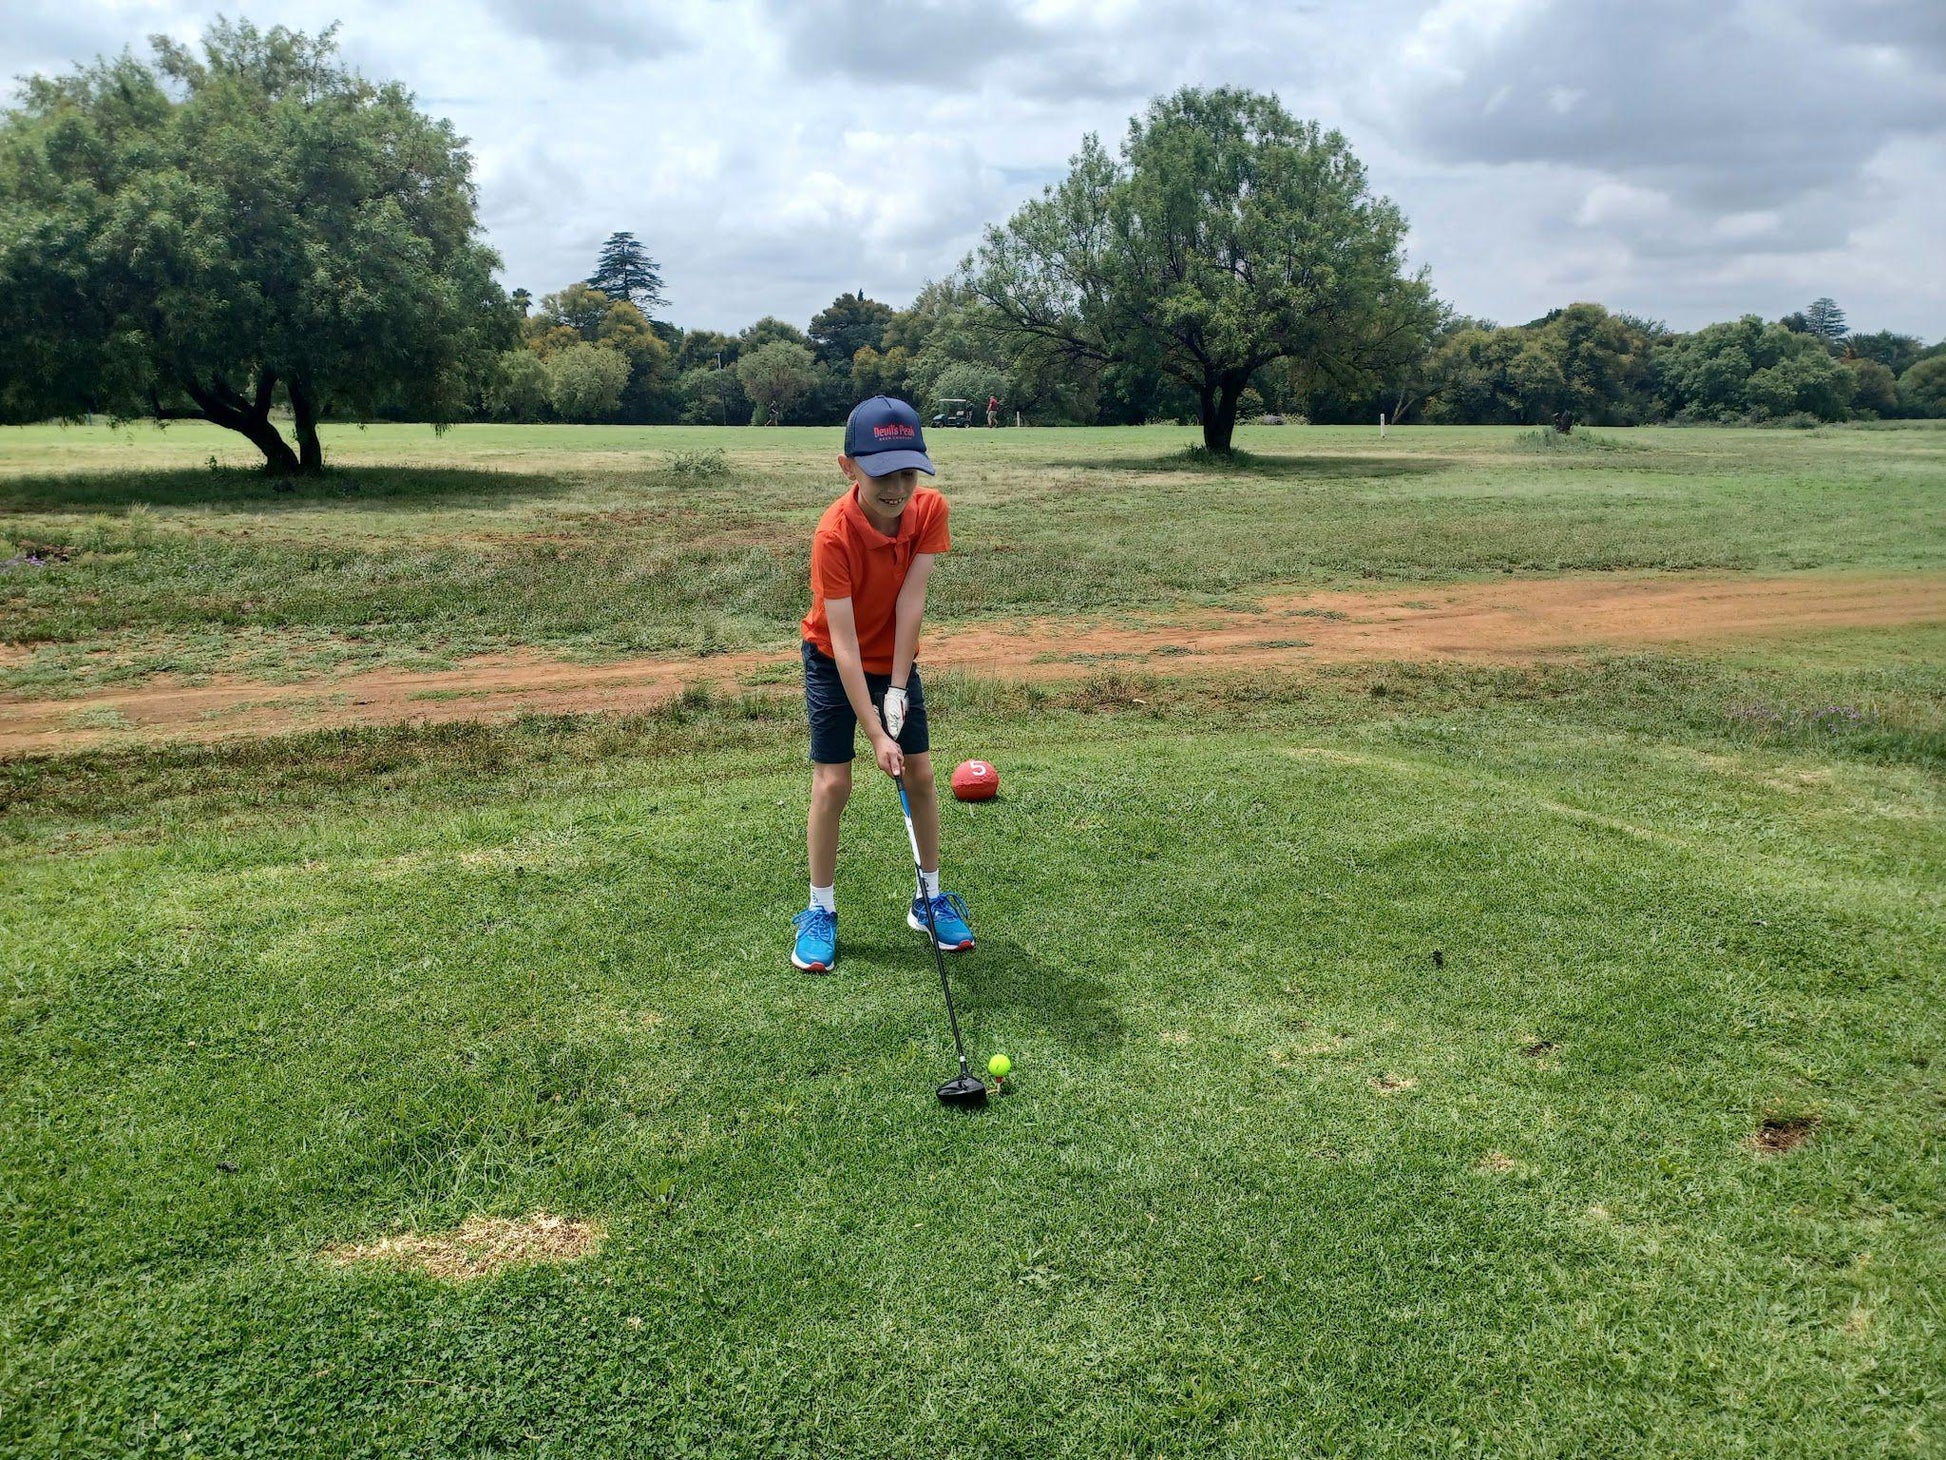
(1220, 399)
(304, 410)
(223, 406)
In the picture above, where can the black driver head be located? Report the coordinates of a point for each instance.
(965, 1091)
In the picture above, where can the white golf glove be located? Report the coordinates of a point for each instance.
(894, 710)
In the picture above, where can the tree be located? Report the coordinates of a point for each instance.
(704, 347)
(848, 324)
(1228, 236)
(578, 309)
(873, 373)
(585, 382)
(1874, 387)
(1922, 389)
(776, 377)
(770, 329)
(1823, 318)
(519, 388)
(624, 329)
(1495, 377)
(711, 397)
(625, 271)
(1897, 353)
(200, 238)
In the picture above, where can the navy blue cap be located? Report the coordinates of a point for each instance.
(883, 436)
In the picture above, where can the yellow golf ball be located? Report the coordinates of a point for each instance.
(998, 1066)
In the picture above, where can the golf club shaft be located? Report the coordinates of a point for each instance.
(932, 928)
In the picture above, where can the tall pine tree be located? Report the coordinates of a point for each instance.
(1823, 318)
(625, 271)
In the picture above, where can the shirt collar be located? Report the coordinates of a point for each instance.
(908, 520)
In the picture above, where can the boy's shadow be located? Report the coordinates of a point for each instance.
(1001, 975)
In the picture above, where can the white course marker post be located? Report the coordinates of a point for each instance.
(1381, 425)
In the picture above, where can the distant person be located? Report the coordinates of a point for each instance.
(993, 411)
(871, 556)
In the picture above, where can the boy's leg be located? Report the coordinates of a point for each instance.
(924, 796)
(833, 731)
(948, 914)
(830, 790)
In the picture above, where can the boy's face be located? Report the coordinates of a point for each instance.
(884, 496)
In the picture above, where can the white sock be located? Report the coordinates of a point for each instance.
(825, 897)
(931, 880)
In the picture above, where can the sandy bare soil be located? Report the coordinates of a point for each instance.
(1516, 621)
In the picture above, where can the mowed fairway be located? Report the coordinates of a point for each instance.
(1538, 1056)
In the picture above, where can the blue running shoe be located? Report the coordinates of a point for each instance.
(948, 916)
(817, 940)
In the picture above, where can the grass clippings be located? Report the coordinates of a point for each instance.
(478, 1247)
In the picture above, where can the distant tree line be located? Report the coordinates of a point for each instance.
(1618, 369)
(1599, 367)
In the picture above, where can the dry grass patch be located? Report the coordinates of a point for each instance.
(479, 1246)
(1781, 1133)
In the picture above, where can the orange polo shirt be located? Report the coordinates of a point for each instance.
(852, 559)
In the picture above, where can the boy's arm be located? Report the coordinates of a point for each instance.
(851, 673)
(906, 614)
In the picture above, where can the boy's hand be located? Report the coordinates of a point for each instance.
(894, 711)
(891, 760)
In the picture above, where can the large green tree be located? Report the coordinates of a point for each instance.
(776, 376)
(846, 325)
(1227, 236)
(213, 237)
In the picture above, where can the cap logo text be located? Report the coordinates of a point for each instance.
(895, 428)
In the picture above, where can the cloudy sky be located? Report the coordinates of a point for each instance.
(1681, 159)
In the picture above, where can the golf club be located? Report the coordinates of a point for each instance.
(965, 1090)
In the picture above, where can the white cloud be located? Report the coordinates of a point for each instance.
(1681, 161)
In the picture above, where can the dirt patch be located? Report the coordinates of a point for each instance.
(1536, 1049)
(1498, 1163)
(1781, 1133)
(1505, 622)
(1392, 1084)
(480, 1245)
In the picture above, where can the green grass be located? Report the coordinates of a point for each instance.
(613, 540)
(397, 978)
(1276, 1180)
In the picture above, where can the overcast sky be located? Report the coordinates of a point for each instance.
(1691, 160)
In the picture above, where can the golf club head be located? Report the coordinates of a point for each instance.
(967, 1092)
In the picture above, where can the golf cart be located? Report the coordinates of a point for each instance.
(952, 411)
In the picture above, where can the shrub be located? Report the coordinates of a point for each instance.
(699, 466)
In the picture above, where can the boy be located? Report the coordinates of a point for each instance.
(870, 559)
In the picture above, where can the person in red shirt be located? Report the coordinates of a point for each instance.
(993, 411)
(871, 557)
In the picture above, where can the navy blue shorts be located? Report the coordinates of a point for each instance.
(834, 728)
